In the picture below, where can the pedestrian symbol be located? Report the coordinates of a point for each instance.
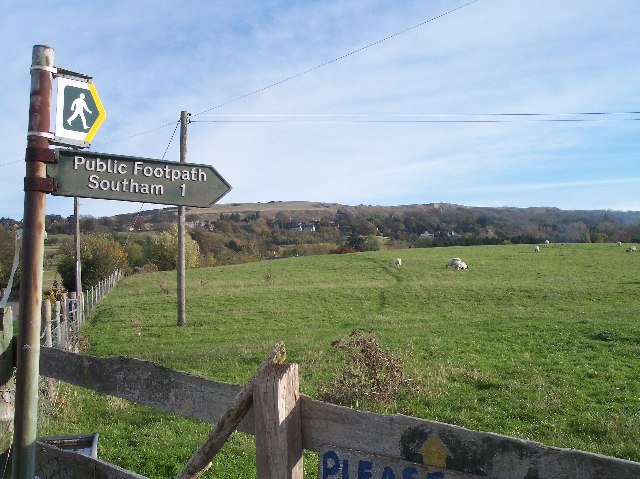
(79, 106)
(79, 112)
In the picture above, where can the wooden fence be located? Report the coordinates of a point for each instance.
(350, 444)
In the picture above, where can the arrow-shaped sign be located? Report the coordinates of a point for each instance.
(114, 177)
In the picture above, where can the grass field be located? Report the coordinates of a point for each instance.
(542, 346)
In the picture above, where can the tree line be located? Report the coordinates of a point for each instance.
(147, 241)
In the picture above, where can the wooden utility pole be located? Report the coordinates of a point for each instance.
(180, 266)
(35, 187)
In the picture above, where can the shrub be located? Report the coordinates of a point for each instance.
(343, 250)
(369, 375)
(100, 255)
(314, 249)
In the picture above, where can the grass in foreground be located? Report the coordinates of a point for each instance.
(541, 346)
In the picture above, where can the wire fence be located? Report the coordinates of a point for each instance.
(61, 322)
(62, 318)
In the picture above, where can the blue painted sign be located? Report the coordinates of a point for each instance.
(339, 463)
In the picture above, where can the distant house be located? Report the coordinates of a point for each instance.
(426, 234)
(310, 227)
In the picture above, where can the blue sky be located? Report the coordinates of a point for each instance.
(401, 121)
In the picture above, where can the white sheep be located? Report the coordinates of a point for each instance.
(452, 262)
(546, 242)
(398, 262)
(460, 265)
(631, 248)
(619, 243)
(536, 248)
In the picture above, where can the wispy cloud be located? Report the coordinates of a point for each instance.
(152, 59)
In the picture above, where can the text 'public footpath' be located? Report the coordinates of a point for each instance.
(137, 169)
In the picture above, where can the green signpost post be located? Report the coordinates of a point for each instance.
(105, 176)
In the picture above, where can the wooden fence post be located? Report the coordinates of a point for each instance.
(46, 322)
(278, 429)
(55, 324)
(48, 343)
(80, 310)
(201, 459)
(74, 318)
(63, 322)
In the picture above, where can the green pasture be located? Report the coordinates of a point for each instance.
(538, 345)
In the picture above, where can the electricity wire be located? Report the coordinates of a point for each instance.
(297, 75)
(422, 118)
(337, 59)
(135, 218)
(171, 139)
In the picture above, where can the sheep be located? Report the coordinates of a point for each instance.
(460, 266)
(452, 262)
(398, 262)
(536, 248)
(631, 248)
(619, 243)
(546, 242)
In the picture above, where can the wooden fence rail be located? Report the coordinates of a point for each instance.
(350, 444)
(343, 437)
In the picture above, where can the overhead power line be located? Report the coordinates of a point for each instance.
(423, 118)
(337, 59)
(297, 75)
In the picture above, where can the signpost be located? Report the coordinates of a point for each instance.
(79, 112)
(126, 178)
(62, 172)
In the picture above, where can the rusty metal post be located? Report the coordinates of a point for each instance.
(28, 346)
(181, 264)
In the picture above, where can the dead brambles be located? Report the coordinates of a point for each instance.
(369, 374)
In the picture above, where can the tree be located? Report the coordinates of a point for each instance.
(100, 255)
(139, 224)
(363, 243)
(164, 250)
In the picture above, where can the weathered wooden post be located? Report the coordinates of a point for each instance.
(201, 459)
(278, 428)
(56, 327)
(73, 322)
(80, 302)
(48, 343)
(63, 325)
(181, 262)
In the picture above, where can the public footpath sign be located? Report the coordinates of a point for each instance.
(79, 112)
(114, 177)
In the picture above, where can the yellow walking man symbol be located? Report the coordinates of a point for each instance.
(79, 106)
